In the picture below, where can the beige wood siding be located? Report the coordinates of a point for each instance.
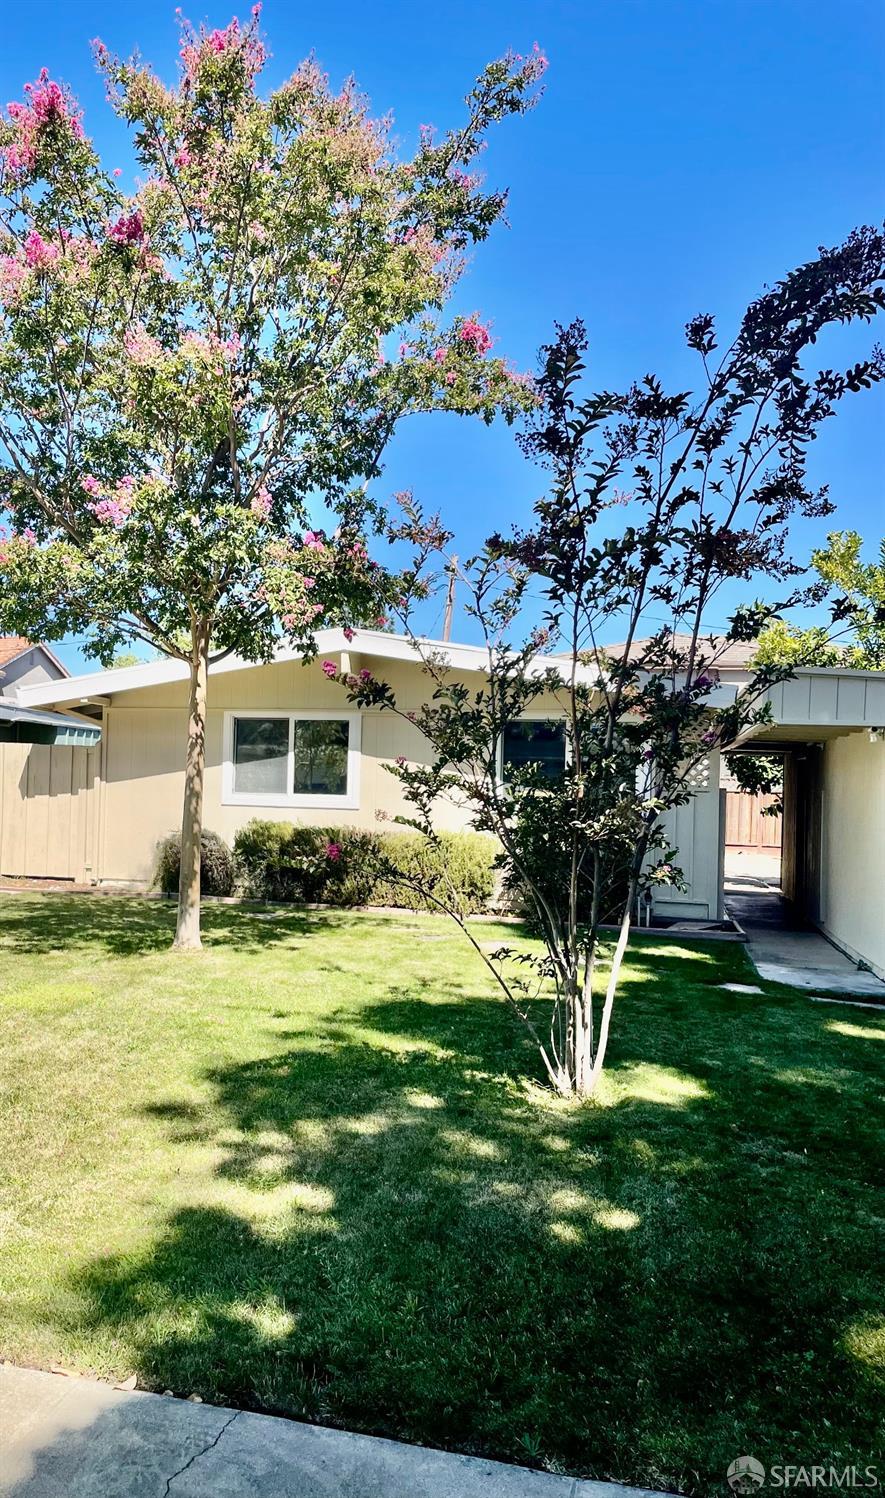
(853, 839)
(48, 811)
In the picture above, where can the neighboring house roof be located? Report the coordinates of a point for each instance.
(727, 654)
(13, 646)
(33, 726)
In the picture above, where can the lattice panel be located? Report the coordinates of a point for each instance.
(699, 776)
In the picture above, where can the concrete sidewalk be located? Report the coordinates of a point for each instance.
(783, 953)
(77, 1438)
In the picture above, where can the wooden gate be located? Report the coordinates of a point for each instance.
(48, 811)
(746, 827)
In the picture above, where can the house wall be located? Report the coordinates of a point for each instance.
(852, 910)
(27, 670)
(145, 748)
(138, 793)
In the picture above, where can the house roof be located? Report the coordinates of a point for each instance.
(76, 690)
(727, 654)
(12, 646)
(371, 642)
(66, 728)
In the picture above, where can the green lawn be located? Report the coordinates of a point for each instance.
(313, 1171)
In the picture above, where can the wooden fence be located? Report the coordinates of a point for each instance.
(746, 827)
(48, 811)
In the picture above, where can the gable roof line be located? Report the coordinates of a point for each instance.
(328, 641)
(23, 645)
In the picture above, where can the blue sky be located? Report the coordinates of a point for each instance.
(685, 153)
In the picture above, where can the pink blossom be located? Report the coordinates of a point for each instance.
(141, 346)
(13, 273)
(451, 377)
(401, 761)
(261, 503)
(201, 48)
(118, 171)
(333, 851)
(183, 157)
(348, 633)
(309, 582)
(28, 536)
(381, 621)
(365, 675)
(47, 103)
(128, 229)
(535, 66)
(440, 355)
(313, 540)
(330, 669)
(474, 333)
(38, 253)
(90, 484)
(110, 511)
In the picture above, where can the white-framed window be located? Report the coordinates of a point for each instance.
(309, 758)
(533, 740)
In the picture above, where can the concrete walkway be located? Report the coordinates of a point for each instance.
(781, 953)
(77, 1438)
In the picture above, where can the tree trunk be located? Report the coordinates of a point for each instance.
(187, 930)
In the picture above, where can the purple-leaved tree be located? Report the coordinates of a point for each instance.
(706, 485)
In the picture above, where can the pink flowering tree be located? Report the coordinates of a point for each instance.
(656, 503)
(190, 373)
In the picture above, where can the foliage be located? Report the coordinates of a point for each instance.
(281, 861)
(198, 381)
(858, 611)
(760, 775)
(422, 874)
(337, 1150)
(707, 485)
(216, 864)
(347, 866)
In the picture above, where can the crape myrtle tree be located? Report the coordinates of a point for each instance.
(655, 502)
(188, 374)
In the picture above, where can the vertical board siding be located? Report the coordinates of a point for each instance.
(48, 803)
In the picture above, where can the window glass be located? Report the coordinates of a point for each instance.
(534, 742)
(261, 749)
(320, 757)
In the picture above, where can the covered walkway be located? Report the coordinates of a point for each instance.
(782, 950)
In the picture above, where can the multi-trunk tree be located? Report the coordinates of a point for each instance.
(656, 502)
(189, 374)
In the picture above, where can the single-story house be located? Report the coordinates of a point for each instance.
(283, 742)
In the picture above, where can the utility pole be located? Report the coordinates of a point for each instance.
(450, 599)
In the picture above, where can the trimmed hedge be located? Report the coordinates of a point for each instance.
(217, 869)
(279, 861)
(460, 861)
(346, 866)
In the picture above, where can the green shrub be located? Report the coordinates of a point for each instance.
(279, 861)
(347, 866)
(217, 871)
(461, 862)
